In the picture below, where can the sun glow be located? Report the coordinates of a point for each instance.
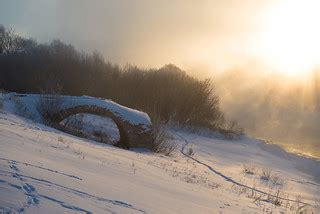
(291, 39)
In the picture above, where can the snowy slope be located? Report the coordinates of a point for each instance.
(296, 176)
(43, 170)
(46, 171)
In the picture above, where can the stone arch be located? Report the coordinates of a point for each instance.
(131, 135)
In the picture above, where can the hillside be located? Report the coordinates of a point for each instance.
(43, 170)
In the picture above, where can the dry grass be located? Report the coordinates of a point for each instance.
(190, 151)
(133, 166)
(162, 142)
(231, 130)
(276, 197)
(266, 174)
(277, 180)
(162, 139)
(250, 169)
(49, 105)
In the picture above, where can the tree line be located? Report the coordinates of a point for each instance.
(168, 92)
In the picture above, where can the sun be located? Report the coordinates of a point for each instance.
(291, 38)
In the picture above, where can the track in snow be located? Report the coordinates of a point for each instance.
(228, 179)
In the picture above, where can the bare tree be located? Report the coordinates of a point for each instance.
(10, 42)
(58, 68)
(7, 40)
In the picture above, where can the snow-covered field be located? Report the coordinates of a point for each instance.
(43, 170)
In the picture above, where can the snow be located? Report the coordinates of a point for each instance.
(132, 116)
(29, 104)
(43, 170)
(301, 175)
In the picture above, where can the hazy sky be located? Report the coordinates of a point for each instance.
(202, 36)
(190, 33)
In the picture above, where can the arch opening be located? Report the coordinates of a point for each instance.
(95, 110)
(132, 134)
(94, 127)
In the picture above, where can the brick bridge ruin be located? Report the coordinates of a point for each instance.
(135, 127)
(131, 135)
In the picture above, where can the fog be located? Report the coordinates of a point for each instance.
(187, 33)
(275, 107)
(209, 38)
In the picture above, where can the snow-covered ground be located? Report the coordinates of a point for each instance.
(43, 170)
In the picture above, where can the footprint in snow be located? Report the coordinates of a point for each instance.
(14, 167)
(28, 188)
(30, 192)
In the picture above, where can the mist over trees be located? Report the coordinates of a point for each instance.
(273, 107)
(168, 92)
(316, 93)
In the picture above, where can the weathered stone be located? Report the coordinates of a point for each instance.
(131, 135)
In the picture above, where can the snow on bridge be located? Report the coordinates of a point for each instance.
(135, 127)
